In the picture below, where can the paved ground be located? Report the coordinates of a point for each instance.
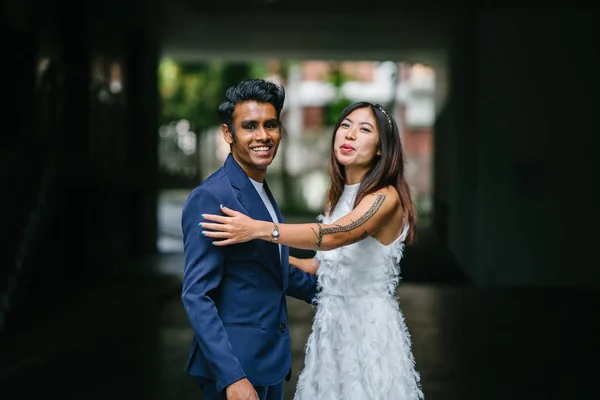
(129, 338)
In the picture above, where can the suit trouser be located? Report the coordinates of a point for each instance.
(209, 389)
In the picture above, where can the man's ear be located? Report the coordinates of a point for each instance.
(227, 135)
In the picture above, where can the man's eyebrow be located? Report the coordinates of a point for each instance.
(248, 121)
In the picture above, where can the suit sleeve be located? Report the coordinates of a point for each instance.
(302, 285)
(203, 273)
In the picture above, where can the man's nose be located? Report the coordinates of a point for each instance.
(261, 133)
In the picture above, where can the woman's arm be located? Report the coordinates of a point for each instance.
(369, 216)
(308, 265)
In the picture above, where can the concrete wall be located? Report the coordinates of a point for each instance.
(516, 147)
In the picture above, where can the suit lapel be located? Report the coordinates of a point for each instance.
(252, 202)
(284, 249)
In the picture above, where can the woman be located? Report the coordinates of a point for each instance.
(359, 347)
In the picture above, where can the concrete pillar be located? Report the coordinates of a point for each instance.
(455, 179)
(142, 87)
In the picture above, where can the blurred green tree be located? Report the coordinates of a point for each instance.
(193, 91)
(335, 108)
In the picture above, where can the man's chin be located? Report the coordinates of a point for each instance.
(263, 162)
(263, 165)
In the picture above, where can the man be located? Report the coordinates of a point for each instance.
(235, 296)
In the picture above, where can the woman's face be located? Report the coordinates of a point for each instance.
(357, 140)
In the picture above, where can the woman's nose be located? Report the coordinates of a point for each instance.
(350, 134)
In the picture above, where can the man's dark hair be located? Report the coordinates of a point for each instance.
(258, 90)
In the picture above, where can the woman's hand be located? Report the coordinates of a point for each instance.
(234, 227)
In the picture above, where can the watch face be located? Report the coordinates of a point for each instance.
(275, 232)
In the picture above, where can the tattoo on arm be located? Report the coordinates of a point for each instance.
(353, 225)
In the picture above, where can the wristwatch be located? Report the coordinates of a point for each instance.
(275, 233)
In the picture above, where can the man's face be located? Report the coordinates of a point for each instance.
(257, 136)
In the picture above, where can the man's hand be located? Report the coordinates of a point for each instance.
(241, 390)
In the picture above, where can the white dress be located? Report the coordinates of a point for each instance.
(359, 348)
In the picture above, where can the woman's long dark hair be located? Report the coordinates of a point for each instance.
(386, 170)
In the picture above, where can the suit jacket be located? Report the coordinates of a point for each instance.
(235, 296)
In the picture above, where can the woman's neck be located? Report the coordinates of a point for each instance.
(354, 176)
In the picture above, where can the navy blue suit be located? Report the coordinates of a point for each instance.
(235, 296)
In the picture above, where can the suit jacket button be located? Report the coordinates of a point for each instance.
(282, 328)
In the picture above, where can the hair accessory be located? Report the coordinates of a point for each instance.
(384, 113)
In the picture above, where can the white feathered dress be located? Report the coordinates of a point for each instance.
(359, 348)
